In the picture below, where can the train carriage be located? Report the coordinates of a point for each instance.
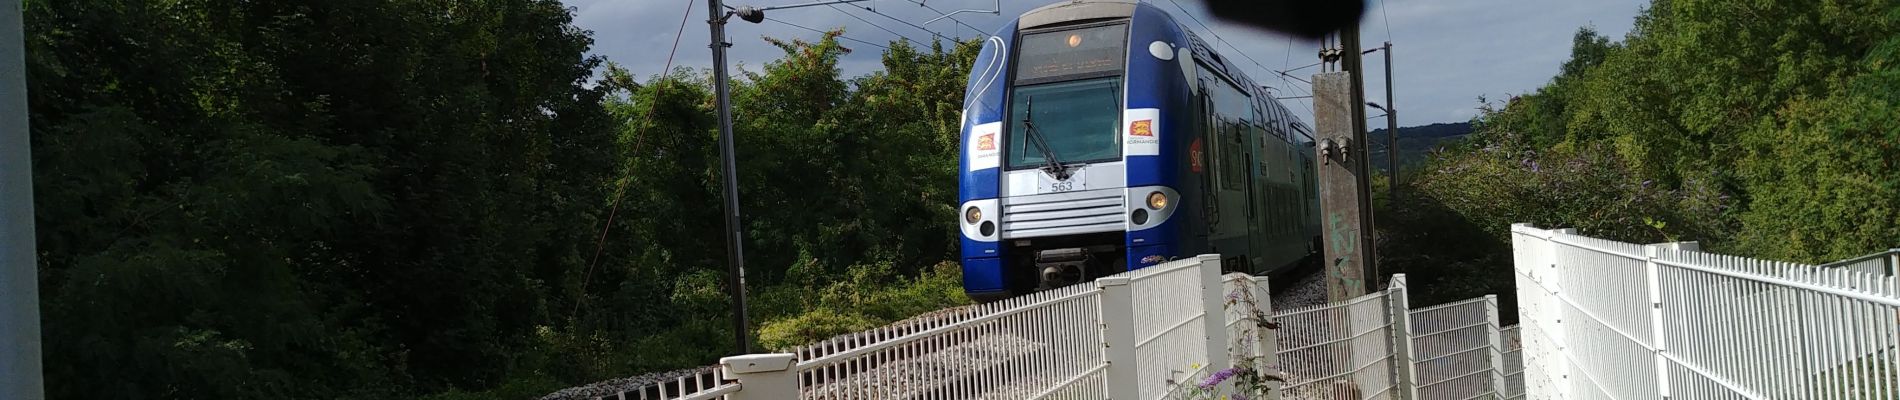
(1103, 136)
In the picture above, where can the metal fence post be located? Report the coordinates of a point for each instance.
(1119, 380)
(1497, 344)
(1893, 262)
(1556, 284)
(762, 376)
(1214, 318)
(1653, 277)
(1399, 316)
(1267, 341)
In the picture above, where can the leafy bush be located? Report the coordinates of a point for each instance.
(871, 296)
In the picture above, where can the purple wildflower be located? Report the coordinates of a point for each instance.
(1218, 377)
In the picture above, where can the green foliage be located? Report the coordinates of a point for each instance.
(1758, 128)
(401, 199)
(810, 327)
(868, 296)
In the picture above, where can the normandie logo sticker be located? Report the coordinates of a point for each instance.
(1142, 128)
(986, 142)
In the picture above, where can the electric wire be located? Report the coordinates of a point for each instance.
(621, 191)
(979, 32)
(841, 36)
(933, 33)
(1302, 67)
(874, 24)
(1287, 59)
(1387, 19)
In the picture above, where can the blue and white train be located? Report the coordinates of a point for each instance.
(1103, 136)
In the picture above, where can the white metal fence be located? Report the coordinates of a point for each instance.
(1153, 333)
(1513, 369)
(1882, 263)
(1080, 342)
(1347, 348)
(1605, 319)
(1459, 350)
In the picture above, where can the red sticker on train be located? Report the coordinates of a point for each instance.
(1194, 156)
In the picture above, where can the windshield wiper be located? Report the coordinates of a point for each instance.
(1051, 164)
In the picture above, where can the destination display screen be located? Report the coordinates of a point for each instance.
(1092, 51)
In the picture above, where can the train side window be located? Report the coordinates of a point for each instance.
(1232, 171)
(1232, 111)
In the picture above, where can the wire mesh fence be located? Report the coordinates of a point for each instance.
(1175, 325)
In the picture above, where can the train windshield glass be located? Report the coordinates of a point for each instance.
(1080, 120)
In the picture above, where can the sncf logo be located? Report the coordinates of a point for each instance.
(1142, 128)
(986, 142)
(1194, 157)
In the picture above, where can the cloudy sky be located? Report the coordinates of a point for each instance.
(1447, 52)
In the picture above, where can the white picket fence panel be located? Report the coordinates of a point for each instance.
(1605, 319)
(1071, 343)
(1598, 319)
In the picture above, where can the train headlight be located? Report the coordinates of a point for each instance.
(1157, 200)
(972, 215)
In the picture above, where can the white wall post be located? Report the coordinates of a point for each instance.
(1119, 380)
(1214, 318)
(1497, 344)
(1399, 317)
(1267, 341)
(762, 376)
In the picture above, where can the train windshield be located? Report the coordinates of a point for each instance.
(1068, 85)
(1080, 121)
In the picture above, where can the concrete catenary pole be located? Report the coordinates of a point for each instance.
(735, 233)
(20, 377)
(1345, 197)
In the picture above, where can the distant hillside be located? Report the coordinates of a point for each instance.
(1415, 141)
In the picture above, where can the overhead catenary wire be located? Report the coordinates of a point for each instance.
(933, 33)
(874, 24)
(1387, 19)
(841, 36)
(979, 32)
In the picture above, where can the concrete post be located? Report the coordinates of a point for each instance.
(1345, 220)
(762, 376)
(19, 277)
(1120, 381)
